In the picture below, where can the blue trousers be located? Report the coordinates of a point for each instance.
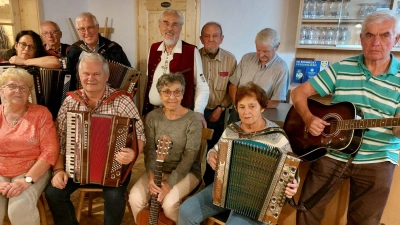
(63, 210)
(200, 207)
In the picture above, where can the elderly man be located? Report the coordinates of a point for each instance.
(92, 41)
(218, 66)
(264, 68)
(51, 36)
(96, 97)
(173, 55)
(371, 82)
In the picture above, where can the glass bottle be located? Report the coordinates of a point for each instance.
(313, 9)
(363, 11)
(306, 9)
(303, 35)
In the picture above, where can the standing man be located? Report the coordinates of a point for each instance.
(218, 66)
(371, 82)
(95, 97)
(51, 36)
(91, 41)
(173, 55)
(264, 68)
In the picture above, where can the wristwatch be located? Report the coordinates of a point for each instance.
(28, 179)
(223, 108)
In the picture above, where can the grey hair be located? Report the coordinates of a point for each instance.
(16, 74)
(268, 36)
(171, 78)
(211, 23)
(94, 57)
(86, 15)
(380, 17)
(179, 13)
(51, 22)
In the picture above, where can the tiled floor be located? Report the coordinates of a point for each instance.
(97, 217)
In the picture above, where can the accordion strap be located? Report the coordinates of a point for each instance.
(78, 96)
(85, 48)
(270, 130)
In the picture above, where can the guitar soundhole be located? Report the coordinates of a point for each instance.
(331, 130)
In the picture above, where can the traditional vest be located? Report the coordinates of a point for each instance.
(179, 63)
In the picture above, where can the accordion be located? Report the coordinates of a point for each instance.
(251, 178)
(92, 142)
(122, 77)
(50, 86)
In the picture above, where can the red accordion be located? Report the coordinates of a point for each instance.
(93, 140)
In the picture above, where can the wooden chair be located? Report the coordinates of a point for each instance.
(42, 210)
(91, 192)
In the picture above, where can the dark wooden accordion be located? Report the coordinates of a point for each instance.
(50, 86)
(251, 178)
(93, 140)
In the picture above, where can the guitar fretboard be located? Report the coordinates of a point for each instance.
(155, 205)
(367, 123)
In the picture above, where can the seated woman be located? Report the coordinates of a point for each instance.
(28, 147)
(250, 102)
(181, 170)
(28, 51)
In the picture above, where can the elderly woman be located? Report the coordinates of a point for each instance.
(28, 147)
(28, 51)
(250, 102)
(181, 170)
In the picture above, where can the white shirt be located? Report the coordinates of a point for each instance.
(201, 87)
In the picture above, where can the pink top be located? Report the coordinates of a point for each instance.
(33, 137)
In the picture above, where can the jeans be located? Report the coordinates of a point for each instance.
(200, 207)
(63, 210)
(369, 190)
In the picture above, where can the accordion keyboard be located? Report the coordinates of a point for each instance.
(70, 144)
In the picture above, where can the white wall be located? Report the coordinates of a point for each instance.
(240, 20)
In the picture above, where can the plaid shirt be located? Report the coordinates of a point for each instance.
(121, 106)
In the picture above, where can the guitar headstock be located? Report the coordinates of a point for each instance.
(163, 146)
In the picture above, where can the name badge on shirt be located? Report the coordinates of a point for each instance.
(223, 74)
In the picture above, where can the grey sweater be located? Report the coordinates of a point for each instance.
(185, 134)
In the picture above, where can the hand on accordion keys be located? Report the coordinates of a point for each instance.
(291, 188)
(212, 160)
(125, 156)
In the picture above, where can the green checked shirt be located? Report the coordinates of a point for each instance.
(376, 96)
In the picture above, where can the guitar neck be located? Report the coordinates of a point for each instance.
(155, 205)
(367, 123)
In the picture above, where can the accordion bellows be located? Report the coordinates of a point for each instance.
(93, 140)
(251, 178)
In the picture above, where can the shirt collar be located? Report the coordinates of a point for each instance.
(393, 68)
(47, 47)
(177, 48)
(217, 57)
(268, 63)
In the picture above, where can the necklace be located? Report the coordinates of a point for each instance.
(16, 120)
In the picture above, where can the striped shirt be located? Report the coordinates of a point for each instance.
(217, 72)
(376, 96)
(273, 77)
(121, 106)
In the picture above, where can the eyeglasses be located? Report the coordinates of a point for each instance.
(50, 33)
(23, 45)
(167, 93)
(168, 24)
(22, 88)
(383, 37)
(89, 29)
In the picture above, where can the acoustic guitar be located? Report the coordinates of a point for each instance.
(153, 214)
(344, 133)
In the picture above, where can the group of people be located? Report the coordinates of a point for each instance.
(188, 89)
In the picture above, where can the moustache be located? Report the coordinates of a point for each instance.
(169, 32)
